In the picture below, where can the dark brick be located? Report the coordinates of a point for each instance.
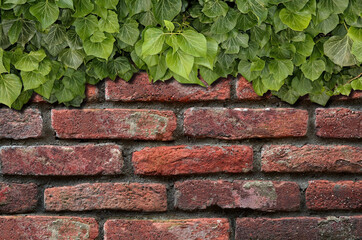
(17, 198)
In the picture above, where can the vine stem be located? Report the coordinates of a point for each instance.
(359, 75)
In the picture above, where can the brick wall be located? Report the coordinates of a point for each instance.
(170, 161)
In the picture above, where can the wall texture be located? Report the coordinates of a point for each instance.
(168, 161)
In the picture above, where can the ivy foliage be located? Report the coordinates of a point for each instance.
(293, 48)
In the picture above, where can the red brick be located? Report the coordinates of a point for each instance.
(114, 123)
(141, 89)
(47, 227)
(62, 160)
(176, 160)
(20, 125)
(338, 123)
(259, 195)
(311, 158)
(241, 123)
(17, 198)
(148, 197)
(245, 91)
(326, 195)
(299, 228)
(185, 229)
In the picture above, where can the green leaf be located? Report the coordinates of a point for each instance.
(357, 50)
(224, 24)
(281, 69)
(97, 37)
(72, 58)
(28, 31)
(328, 7)
(109, 24)
(259, 87)
(118, 67)
(215, 8)
(14, 31)
(257, 7)
(46, 12)
(82, 8)
(306, 47)
(56, 36)
(233, 44)
(180, 63)
(244, 68)
(23, 98)
(166, 9)
(320, 98)
(86, 26)
(313, 69)
(328, 24)
(294, 20)
(338, 49)
(32, 80)
(169, 25)
(288, 95)
(302, 85)
(272, 83)
(2, 67)
(65, 3)
(357, 84)
(129, 32)
(257, 65)
(75, 81)
(108, 4)
(295, 6)
(99, 49)
(193, 43)
(153, 41)
(30, 62)
(10, 88)
(355, 34)
(212, 49)
(246, 21)
(208, 75)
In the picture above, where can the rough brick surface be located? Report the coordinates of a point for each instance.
(326, 195)
(177, 160)
(62, 160)
(17, 198)
(299, 228)
(117, 196)
(245, 91)
(259, 195)
(241, 123)
(114, 123)
(141, 89)
(47, 227)
(187, 229)
(311, 158)
(20, 125)
(338, 123)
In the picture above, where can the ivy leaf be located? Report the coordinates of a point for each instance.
(355, 34)
(23, 98)
(357, 84)
(224, 24)
(97, 37)
(320, 98)
(281, 69)
(169, 25)
(118, 67)
(74, 81)
(166, 9)
(65, 3)
(72, 58)
(129, 32)
(233, 44)
(257, 7)
(208, 75)
(328, 7)
(338, 49)
(294, 20)
(27, 32)
(32, 80)
(73, 40)
(295, 6)
(272, 83)
(313, 69)
(215, 8)
(45, 89)
(287, 94)
(259, 87)
(244, 68)
(82, 8)
(86, 26)
(306, 47)
(14, 31)
(246, 21)
(302, 85)
(193, 43)
(209, 60)
(109, 24)
(2, 67)
(180, 63)
(108, 4)
(99, 49)
(46, 12)
(153, 41)
(328, 24)
(10, 88)
(30, 62)
(357, 50)
(138, 6)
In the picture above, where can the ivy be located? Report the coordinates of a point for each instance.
(293, 48)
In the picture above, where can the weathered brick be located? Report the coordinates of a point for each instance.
(175, 160)
(62, 160)
(245, 91)
(338, 123)
(241, 123)
(47, 227)
(259, 195)
(114, 123)
(141, 89)
(311, 158)
(17, 198)
(299, 228)
(146, 197)
(186, 229)
(326, 195)
(20, 125)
